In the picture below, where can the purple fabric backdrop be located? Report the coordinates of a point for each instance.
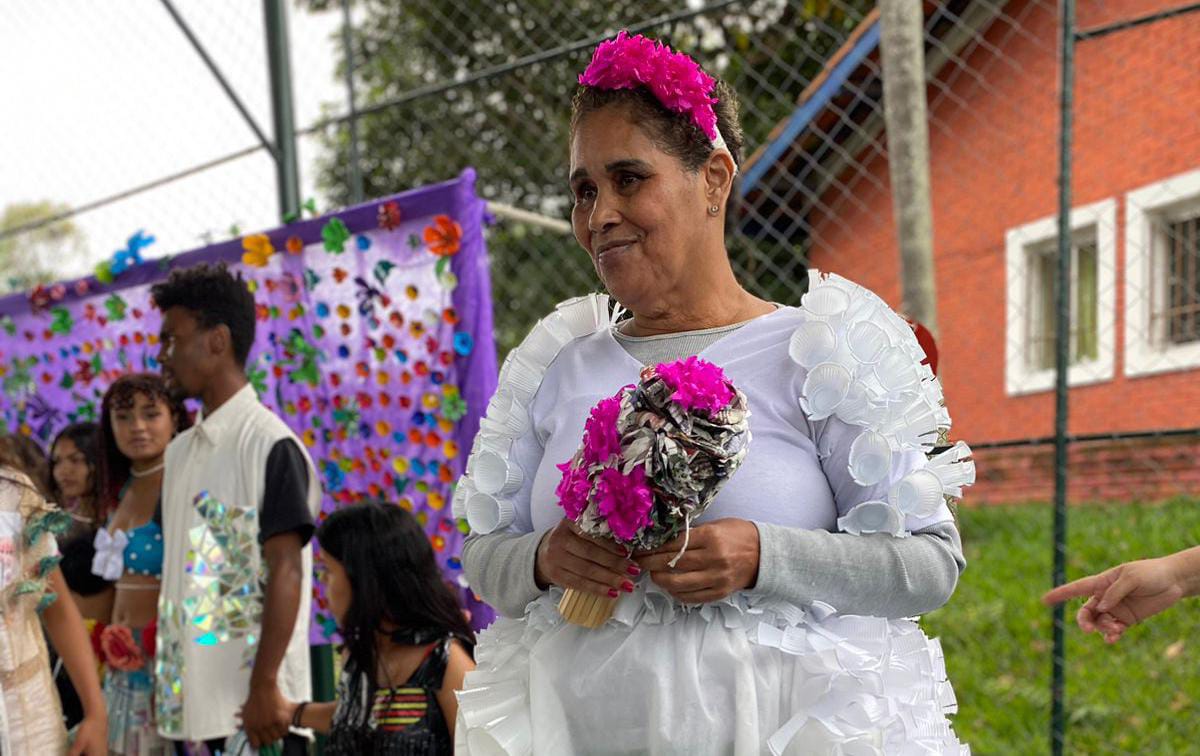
(374, 344)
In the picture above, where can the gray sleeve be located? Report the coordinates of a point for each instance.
(876, 575)
(499, 567)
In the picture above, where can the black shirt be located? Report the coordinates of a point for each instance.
(285, 494)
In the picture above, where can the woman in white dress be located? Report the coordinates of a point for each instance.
(784, 626)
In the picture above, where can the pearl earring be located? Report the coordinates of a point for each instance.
(714, 209)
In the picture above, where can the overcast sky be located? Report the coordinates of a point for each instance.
(99, 96)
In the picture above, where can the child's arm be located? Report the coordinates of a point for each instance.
(65, 627)
(458, 665)
(317, 715)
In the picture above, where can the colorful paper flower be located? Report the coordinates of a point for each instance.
(41, 296)
(258, 250)
(443, 236)
(120, 650)
(61, 321)
(454, 408)
(463, 343)
(624, 501)
(675, 80)
(335, 234)
(389, 216)
(601, 438)
(573, 489)
(698, 384)
(382, 270)
(124, 259)
(104, 272)
(116, 308)
(295, 245)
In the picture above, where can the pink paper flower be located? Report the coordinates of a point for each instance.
(673, 78)
(698, 384)
(121, 652)
(601, 438)
(573, 490)
(624, 501)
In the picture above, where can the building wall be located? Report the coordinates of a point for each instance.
(994, 149)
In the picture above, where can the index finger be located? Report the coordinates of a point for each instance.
(1082, 587)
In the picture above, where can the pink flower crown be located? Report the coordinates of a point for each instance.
(673, 78)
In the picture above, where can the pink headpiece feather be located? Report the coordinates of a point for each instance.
(673, 78)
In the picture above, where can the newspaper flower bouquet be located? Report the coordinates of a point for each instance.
(653, 457)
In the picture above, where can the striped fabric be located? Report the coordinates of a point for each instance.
(397, 708)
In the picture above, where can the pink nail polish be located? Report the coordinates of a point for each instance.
(612, 593)
(627, 586)
(634, 570)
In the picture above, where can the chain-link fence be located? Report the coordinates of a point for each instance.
(411, 93)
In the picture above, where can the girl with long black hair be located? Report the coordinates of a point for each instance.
(407, 641)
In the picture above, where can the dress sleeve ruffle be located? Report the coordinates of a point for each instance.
(863, 365)
(485, 495)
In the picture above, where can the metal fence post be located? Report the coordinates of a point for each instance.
(1062, 300)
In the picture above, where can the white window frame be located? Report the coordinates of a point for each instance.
(1019, 376)
(1145, 354)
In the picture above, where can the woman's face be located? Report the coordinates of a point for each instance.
(143, 429)
(337, 587)
(70, 468)
(638, 212)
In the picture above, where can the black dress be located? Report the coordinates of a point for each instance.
(404, 720)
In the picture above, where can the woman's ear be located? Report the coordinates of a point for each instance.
(718, 177)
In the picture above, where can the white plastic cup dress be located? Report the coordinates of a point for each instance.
(825, 388)
(918, 494)
(507, 736)
(825, 301)
(487, 514)
(812, 343)
(867, 341)
(494, 475)
(870, 458)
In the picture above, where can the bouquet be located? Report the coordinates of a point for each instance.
(653, 457)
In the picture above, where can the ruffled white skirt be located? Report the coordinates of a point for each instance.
(745, 675)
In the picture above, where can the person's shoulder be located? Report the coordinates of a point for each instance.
(576, 327)
(262, 424)
(458, 663)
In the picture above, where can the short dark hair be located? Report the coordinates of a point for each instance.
(215, 297)
(674, 133)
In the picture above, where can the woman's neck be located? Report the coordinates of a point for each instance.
(710, 310)
(144, 468)
(709, 296)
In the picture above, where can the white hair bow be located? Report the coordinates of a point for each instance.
(109, 562)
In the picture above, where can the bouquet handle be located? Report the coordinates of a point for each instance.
(586, 609)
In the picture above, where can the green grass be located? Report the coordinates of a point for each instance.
(1140, 696)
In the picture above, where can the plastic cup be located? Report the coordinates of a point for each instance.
(812, 343)
(487, 514)
(870, 458)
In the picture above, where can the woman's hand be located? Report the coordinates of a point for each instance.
(567, 558)
(91, 737)
(721, 557)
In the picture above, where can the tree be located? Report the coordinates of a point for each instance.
(512, 126)
(37, 256)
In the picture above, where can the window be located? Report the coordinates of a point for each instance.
(1162, 270)
(1032, 269)
(1043, 324)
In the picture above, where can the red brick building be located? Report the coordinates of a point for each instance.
(994, 130)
